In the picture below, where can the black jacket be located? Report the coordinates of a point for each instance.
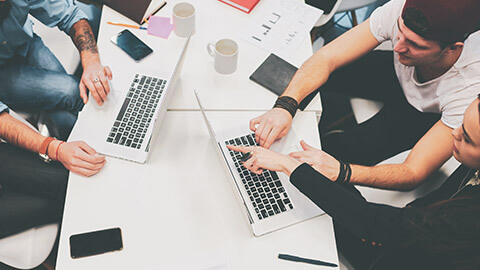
(385, 225)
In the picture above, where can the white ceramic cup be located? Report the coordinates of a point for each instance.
(225, 54)
(183, 17)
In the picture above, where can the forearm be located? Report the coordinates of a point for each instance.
(19, 134)
(387, 176)
(340, 52)
(82, 35)
(427, 156)
(310, 76)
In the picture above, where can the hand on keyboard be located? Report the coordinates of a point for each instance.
(270, 126)
(262, 158)
(80, 158)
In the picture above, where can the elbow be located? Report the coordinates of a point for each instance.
(413, 181)
(409, 186)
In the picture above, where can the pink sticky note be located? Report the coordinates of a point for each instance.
(159, 26)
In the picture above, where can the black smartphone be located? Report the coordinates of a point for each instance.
(96, 242)
(131, 44)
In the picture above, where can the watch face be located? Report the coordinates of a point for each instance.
(45, 158)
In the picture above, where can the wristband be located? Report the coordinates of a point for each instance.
(349, 173)
(341, 173)
(44, 149)
(287, 103)
(56, 151)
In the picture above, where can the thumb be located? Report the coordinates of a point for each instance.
(253, 124)
(306, 146)
(83, 92)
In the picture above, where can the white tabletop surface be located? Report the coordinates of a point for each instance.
(178, 210)
(214, 21)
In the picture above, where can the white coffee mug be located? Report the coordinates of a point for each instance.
(183, 19)
(225, 54)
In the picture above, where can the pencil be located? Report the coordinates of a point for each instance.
(128, 25)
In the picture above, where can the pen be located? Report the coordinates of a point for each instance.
(153, 13)
(128, 25)
(304, 260)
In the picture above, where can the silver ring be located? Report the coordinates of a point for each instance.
(96, 80)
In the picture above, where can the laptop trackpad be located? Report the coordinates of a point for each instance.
(287, 144)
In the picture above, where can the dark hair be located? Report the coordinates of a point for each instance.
(447, 231)
(418, 23)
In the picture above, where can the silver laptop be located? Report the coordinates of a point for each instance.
(130, 128)
(269, 201)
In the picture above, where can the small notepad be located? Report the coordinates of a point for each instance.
(159, 26)
(275, 74)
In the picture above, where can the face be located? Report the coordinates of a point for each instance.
(466, 143)
(414, 50)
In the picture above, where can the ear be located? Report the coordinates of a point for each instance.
(455, 47)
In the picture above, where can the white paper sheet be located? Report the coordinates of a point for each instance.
(282, 26)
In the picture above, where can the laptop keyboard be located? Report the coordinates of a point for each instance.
(265, 190)
(137, 111)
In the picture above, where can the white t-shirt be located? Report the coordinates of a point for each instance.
(449, 94)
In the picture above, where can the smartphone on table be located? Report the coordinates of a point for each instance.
(132, 45)
(96, 242)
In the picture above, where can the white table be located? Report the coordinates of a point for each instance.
(179, 208)
(179, 211)
(214, 20)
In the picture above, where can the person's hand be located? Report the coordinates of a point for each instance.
(80, 158)
(262, 158)
(319, 160)
(94, 78)
(272, 125)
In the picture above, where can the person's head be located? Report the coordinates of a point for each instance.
(5, 7)
(431, 29)
(466, 143)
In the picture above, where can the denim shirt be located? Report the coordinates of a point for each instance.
(16, 30)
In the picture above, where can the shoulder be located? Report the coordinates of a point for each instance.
(469, 62)
(454, 103)
(383, 20)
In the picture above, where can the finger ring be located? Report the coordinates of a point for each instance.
(96, 80)
(246, 156)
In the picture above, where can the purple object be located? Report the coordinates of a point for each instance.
(159, 26)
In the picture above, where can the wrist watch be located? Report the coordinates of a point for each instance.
(44, 148)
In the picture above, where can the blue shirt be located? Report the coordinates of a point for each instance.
(16, 31)
(3, 107)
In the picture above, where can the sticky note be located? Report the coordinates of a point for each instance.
(159, 26)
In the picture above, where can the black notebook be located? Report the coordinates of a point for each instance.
(275, 74)
(136, 10)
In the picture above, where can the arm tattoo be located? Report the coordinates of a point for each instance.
(83, 37)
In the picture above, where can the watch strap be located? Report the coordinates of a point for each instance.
(45, 144)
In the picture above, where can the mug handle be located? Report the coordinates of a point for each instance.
(211, 49)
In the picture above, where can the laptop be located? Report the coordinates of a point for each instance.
(269, 201)
(129, 129)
